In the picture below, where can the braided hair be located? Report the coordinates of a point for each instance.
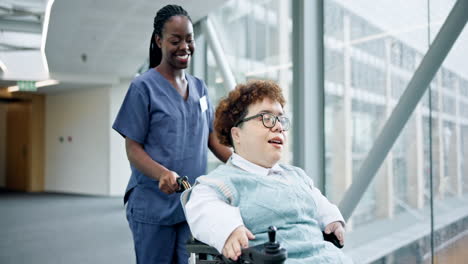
(163, 15)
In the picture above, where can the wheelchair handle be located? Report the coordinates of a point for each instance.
(183, 183)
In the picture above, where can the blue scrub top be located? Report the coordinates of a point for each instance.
(173, 131)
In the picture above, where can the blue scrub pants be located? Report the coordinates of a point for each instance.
(158, 244)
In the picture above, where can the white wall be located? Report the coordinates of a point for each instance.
(95, 162)
(119, 166)
(80, 166)
(3, 117)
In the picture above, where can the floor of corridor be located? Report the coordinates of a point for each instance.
(58, 228)
(62, 228)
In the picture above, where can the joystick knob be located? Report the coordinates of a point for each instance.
(272, 247)
(272, 234)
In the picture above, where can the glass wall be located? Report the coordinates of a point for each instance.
(417, 202)
(372, 49)
(449, 173)
(256, 40)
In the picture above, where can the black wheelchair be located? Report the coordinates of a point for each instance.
(270, 252)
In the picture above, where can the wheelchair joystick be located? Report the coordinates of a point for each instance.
(272, 234)
(267, 253)
(272, 247)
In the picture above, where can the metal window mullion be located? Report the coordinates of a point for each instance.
(458, 153)
(308, 89)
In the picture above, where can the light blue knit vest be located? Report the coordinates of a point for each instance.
(284, 202)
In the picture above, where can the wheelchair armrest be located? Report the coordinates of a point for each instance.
(332, 239)
(255, 254)
(267, 253)
(197, 247)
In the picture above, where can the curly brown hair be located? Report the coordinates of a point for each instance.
(233, 108)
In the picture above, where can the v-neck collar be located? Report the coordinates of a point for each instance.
(174, 90)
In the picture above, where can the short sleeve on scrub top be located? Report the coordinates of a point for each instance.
(133, 118)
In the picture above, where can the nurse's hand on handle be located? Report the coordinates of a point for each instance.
(168, 182)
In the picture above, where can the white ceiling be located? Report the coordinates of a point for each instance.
(113, 36)
(89, 42)
(101, 41)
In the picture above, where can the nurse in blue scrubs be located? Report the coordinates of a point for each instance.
(166, 119)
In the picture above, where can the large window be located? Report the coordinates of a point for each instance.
(372, 50)
(256, 40)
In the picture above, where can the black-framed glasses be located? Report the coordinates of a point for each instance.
(269, 120)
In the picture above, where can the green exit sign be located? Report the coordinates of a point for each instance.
(27, 86)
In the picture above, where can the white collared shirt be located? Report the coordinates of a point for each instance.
(212, 220)
(251, 167)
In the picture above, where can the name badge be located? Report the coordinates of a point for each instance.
(203, 104)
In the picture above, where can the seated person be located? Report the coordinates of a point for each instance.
(237, 202)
